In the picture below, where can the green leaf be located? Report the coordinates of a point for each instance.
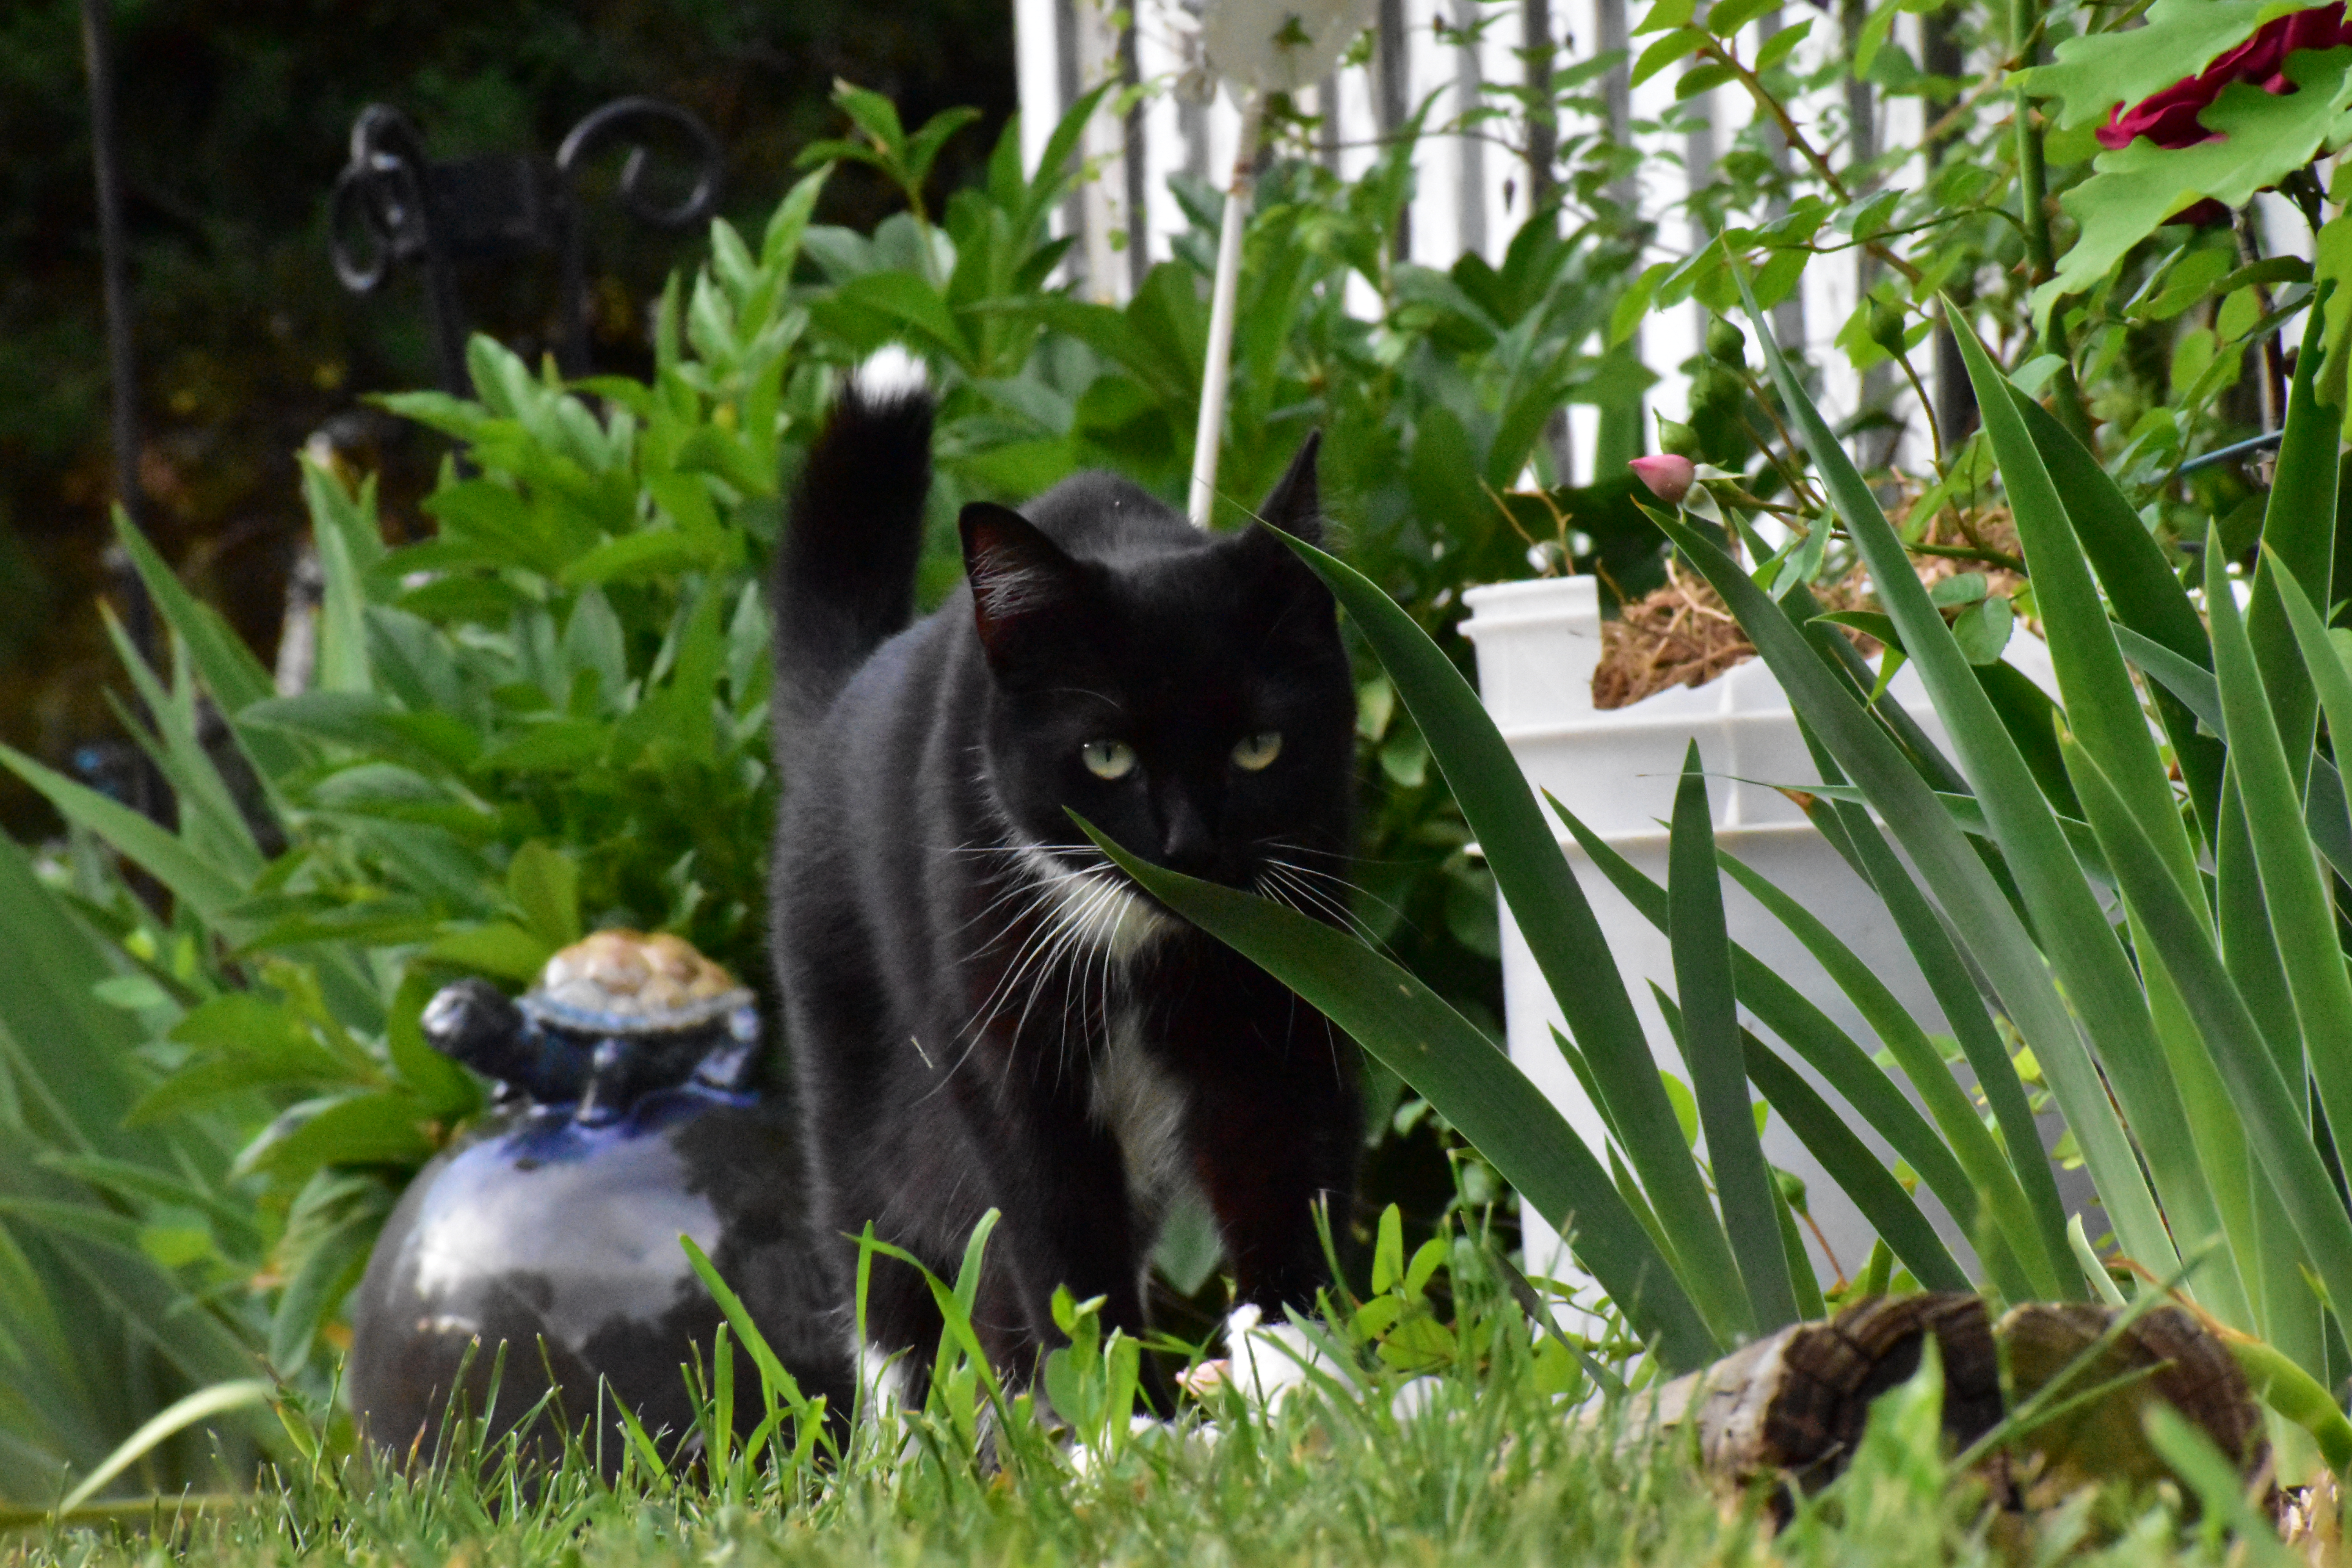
(228, 667)
(2297, 1395)
(1470, 1083)
(924, 145)
(344, 528)
(1805, 1028)
(1725, 17)
(1710, 1041)
(508, 951)
(872, 113)
(2189, 683)
(1783, 44)
(375, 1127)
(329, 1264)
(204, 1405)
(1666, 14)
(909, 302)
(1666, 51)
(1982, 629)
(1970, 1141)
(2301, 915)
(2298, 537)
(2096, 71)
(2263, 137)
(545, 887)
(367, 722)
(782, 242)
(207, 888)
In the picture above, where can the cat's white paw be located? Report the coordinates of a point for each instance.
(1141, 1430)
(1267, 1359)
(889, 374)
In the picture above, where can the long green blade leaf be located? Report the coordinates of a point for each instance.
(2280, 1137)
(2301, 915)
(1810, 1033)
(1850, 1163)
(1961, 883)
(1457, 1070)
(207, 890)
(2299, 537)
(1955, 1118)
(1710, 1040)
(2080, 947)
(2141, 589)
(1558, 925)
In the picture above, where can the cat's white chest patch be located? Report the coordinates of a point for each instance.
(1142, 1105)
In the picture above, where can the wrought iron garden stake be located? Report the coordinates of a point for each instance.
(392, 203)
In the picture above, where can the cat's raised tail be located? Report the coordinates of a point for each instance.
(846, 571)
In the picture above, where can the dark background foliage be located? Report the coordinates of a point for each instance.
(234, 122)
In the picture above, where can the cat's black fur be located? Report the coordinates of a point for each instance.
(983, 1015)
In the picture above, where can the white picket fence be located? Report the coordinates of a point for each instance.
(1471, 191)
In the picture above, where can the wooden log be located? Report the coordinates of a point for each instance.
(2185, 1366)
(1794, 1404)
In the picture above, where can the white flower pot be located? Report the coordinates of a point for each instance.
(1538, 644)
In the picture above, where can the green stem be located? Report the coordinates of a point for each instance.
(2033, 191)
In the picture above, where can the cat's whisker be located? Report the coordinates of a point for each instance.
(1071, 932)
(1322, 902)
(1355, 889)
(1041, 938)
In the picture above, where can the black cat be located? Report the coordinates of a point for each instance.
(982, 1011)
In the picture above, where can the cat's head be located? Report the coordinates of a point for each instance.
(1185, 692)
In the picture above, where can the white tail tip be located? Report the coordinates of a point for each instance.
(890, 375)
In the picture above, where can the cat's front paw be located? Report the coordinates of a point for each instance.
(1266, 1360)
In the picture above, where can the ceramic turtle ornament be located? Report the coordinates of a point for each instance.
(609, 1019)
(542, 1247)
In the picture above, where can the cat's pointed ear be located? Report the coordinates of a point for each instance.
(1295, 505)
(1019, 578)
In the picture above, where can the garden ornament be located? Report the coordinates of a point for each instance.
(629, 1111)
(393, 205)
(1255, 46)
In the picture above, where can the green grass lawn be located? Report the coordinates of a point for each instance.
(1491, 1468)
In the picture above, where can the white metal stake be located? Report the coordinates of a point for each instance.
(1217, 367)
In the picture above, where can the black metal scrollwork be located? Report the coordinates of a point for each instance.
(393, 205)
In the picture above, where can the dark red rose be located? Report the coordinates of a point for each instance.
(2169, 118)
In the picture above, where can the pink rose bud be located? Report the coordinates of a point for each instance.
(1669, 478)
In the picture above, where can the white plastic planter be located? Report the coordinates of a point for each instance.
(1538, 643)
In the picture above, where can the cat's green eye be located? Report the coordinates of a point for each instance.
(1257, 752)
(1108, 759)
